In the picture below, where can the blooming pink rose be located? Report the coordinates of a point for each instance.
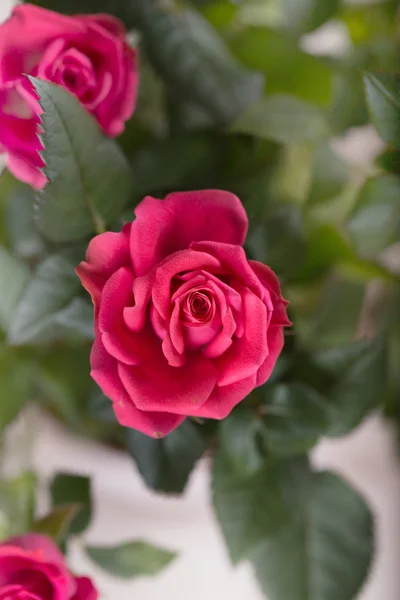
(87, 55)
(32, 568)
(185, 325)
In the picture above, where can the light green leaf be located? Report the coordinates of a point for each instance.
(57, 523)
(69, 488)
(329, 176)
(44, 308)
(17, 502)
(375, 220)
(360, 369)
(282, 119)
(166, 464)
(301, 530)
(14, 275)
(383, 99)
(133, 559)
(89, 177)
(191, 58)
(302, 16)
(295, 417)
(287, 69)
(77, 316)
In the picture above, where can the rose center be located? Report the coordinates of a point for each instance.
(199, 307)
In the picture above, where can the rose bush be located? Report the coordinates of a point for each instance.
(86, 54)
(185, 324)
(32, 568)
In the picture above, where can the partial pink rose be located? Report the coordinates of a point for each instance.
(32, 568)
(185, 325)
(87, 55)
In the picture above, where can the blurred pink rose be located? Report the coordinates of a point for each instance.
(185, 325)
(32, 568)
(88, 55)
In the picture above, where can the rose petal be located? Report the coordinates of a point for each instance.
(156, 386)
(105, 374)
(224, 399)
(163, 227)
(271, 283)
(247, 354)
(223, 340)
(275, 341)
(177, 263)
(85, 589)
(106, 254)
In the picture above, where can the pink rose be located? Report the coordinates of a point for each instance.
(32, 568)
(87, 55)
(185, 325)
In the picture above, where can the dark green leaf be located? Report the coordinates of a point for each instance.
(375, 221)
(17, 379)
(100, 407)
(287, 520)
(282, 119)
(188, 54)
(361, 372)
(47, 303)
(383, 98)
(389, 160)
(14, 275)
(288, 70)
(239, 439)
(280, 241)
(295, 417)
(329, 175)
(17, 502)
(22, 230)
(166, 464)
(57, 524)
(69, 488)
(174, 164)
(302, 16)
(133, 559)
(89, 178)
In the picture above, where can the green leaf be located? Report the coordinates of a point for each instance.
(133, 559)
(68, 488)
(45, 305)
(23, 233)
(287, 69)
(329, 176)
(360, 369)
(166, 464)
(57, 523)
(295, 417)
(14, 275)
(89, 177)
(191, 58)
(282, 119)
(288, 520)
(389, 160)
(372, 20)
(101, 407)
(375, 220)
(157, 170)
(383, 99)
(302, 16)
(17, 380)
(335, 317)
(279, 241)
(239, 438)
(17, 502)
